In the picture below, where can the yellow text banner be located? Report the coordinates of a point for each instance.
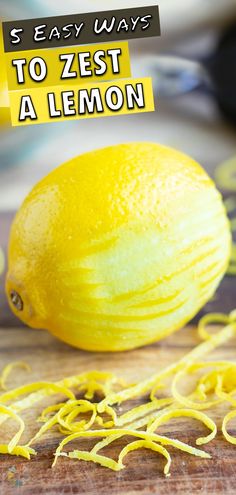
(66, 66)
(60, 103)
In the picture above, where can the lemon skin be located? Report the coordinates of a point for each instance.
(118, 247)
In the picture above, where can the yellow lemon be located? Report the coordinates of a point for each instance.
(118, 247)
(4, 98)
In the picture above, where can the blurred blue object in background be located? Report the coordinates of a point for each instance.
(18, 9)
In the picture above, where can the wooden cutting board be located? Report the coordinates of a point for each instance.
(52, 360)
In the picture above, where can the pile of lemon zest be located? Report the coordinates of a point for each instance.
(8, 369)
(218, 379)
(226, 419)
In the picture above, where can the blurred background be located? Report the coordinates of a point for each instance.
(188, 120)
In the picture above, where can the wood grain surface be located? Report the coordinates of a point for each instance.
(52, 360)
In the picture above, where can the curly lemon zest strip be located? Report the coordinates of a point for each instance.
(189, 413)
(8, 369)
(128, 432)
(227, 435)
(147, 444)
(211, 319)
(15, 439)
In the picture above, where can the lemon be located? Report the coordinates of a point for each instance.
(118, 247)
